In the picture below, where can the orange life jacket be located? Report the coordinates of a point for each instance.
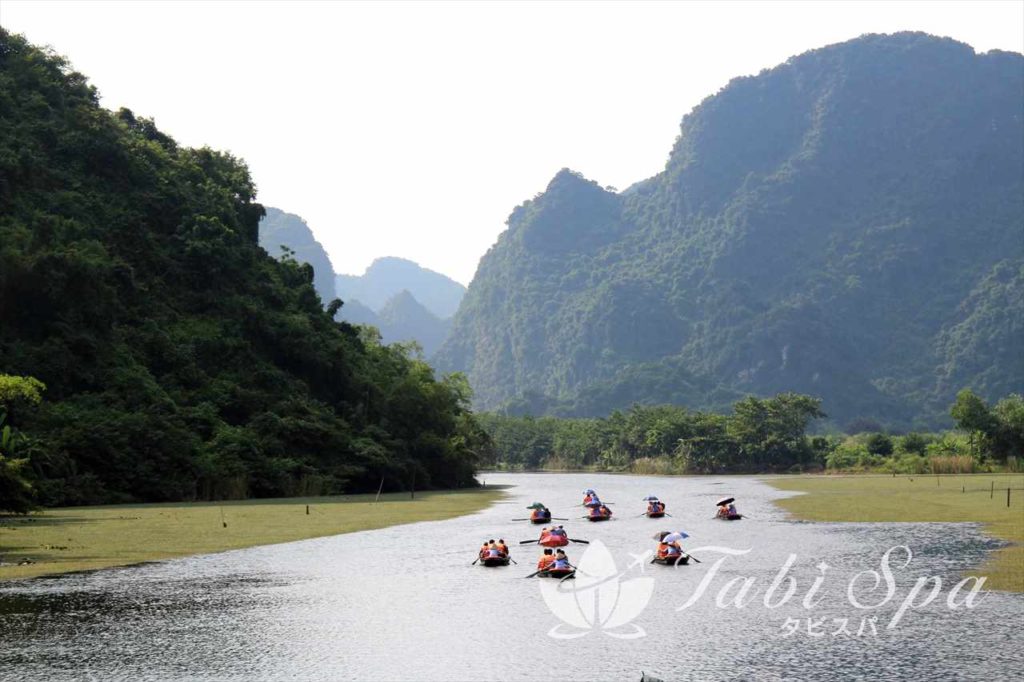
(545, 561)
(503, 549)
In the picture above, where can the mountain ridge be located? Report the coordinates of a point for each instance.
(806, 234)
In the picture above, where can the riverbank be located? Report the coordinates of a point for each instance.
(972, 498)
(88, 538)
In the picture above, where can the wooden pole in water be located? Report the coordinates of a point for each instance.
(412, 492)
(1007, 496)
(992, 491)
(307, 510)
(379, 489)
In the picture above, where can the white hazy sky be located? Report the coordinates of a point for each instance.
(413, 129)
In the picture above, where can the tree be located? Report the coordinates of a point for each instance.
(16, 492)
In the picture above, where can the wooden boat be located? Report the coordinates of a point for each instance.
(672, 559)
(549, 540)
(557, 573)
(729, 517)
(655, 515)
(540, 519)
(598, 517)
(492, 561)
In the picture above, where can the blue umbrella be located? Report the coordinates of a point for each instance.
(675, 537)
(651, 498)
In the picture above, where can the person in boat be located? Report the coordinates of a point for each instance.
(604, 510)
(731, 510)
(723, 510)
(493, 551)
(655, 507)
(559, 532)
(542, 513)
(561, 562)
(546, 559)
(667, 549)
(485, 549)
(502, 547)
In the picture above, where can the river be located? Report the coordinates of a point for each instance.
(404, 603)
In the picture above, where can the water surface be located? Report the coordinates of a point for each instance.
(404, 602)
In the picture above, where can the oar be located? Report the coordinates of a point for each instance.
(474, 562)
(558, 518)
(693, 557)
(522, 519)
(582, 542)
(526, 542)
(534, 573)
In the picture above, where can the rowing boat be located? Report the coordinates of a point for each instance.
(556, 573)
(672, 559)
(492, 561)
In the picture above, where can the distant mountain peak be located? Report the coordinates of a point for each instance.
(390, 275)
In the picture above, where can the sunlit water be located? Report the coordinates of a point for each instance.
(404, 603)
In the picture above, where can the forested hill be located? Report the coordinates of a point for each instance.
(848, 225)
(390, 276)
(279, 229)
(180, 360)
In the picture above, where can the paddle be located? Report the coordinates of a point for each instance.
(558, 518)
(526, 542)
(522, 519)
(474, 561)
(582, 542)
(513, 561)
(534, 573)
(693, 557)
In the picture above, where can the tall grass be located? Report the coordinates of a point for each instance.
(655, 466)
(952, 464)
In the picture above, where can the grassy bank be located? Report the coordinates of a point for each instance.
(86, 538)
(957, 498)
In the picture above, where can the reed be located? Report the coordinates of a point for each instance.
(952, 464)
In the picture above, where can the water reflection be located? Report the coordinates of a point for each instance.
(404, 603)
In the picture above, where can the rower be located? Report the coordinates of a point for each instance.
(546, 559)
(561, 561)
(502, 547)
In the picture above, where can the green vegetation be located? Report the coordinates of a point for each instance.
(181, 361)
(75, 539)
(985, 440)
(760, 435)
(979, 498)
(15, 489)
(845, 225)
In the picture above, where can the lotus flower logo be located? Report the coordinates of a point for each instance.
(598, 598)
